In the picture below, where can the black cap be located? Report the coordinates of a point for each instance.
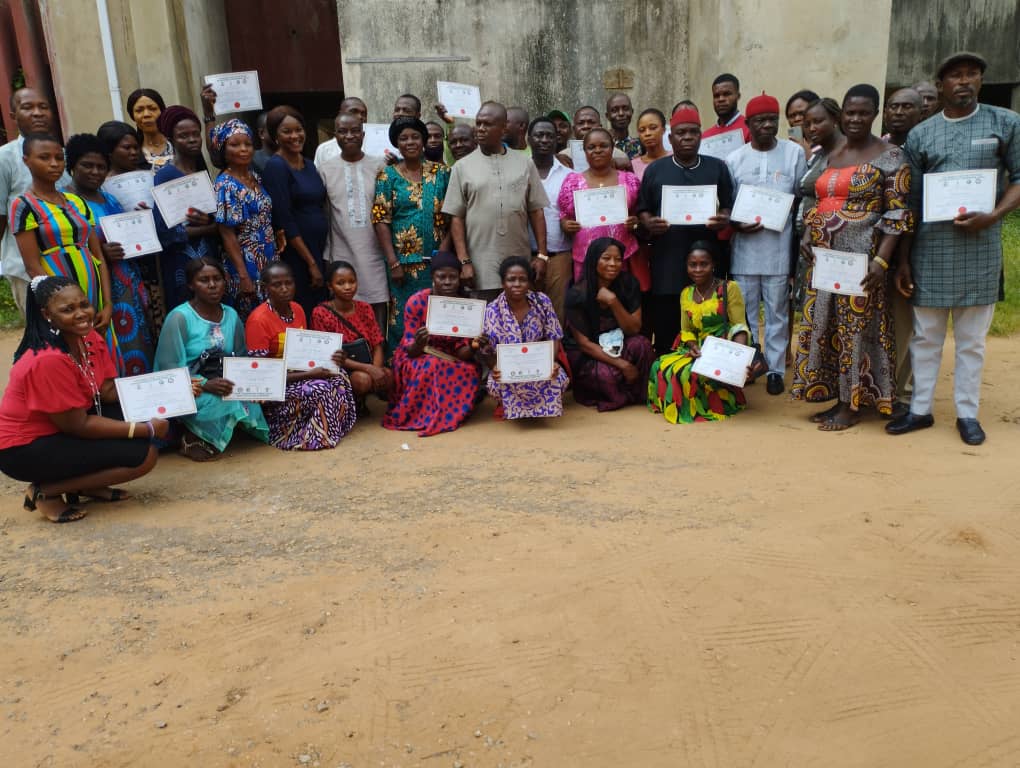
(956, 58)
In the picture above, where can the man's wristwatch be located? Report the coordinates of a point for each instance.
(542, 256)
(465, 262)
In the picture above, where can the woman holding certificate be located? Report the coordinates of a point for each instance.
(435, 378)
(608, 355)
(601, 174)
(520, 316)
(197, 335)
(319, 408)
(407, 219)
(846, 343)
(709, 306)
(53, 431)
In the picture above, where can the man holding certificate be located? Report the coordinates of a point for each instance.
(671, 242)
(955, 266)
(761, 262)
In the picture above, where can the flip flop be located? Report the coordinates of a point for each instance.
(116, 494)
(198, 450)
(69, 515)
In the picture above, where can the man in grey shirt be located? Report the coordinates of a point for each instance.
(493, 194)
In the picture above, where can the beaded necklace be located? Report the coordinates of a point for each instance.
(84, 367)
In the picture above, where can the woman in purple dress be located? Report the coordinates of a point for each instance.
(521, 316)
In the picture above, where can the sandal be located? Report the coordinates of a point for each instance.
(116, 494)
(68, 515)
(198, 449)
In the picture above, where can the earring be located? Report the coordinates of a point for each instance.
(53, 330)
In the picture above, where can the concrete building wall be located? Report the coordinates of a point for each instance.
(782, 48)
(538, 54)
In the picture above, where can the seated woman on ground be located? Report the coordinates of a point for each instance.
(435, 378)
(60, 425)
(363, 341)
(197, 335)
(319, 410)
(609, 358)
(518, 316)
(708, 307)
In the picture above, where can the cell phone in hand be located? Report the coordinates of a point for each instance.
(796, 132)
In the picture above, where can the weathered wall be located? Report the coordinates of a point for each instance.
(782, 48)
(539, 54)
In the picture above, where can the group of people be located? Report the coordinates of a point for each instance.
(355, 244)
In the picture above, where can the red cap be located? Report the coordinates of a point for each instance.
(762, 105)
(685, 115)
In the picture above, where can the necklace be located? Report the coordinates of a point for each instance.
(684, 167)
(60, 200)
(287, 320)
(84, 366)
(704, 297)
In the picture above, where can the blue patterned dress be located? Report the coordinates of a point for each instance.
(250, 212)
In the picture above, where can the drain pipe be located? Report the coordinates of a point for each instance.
(103, 11)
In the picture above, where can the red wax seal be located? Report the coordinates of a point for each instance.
(757, 219)
(237, 104)
(462, 110)
(138, 246)
(963, 209)
(836, 286)
(688, 217)
(254, 365)
(602, 218)
(455, 329)
(524, 350)
(161, 409)
(717, 372)
(311, 363)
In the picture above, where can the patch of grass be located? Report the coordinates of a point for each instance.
(1007, 313)
(10, 317)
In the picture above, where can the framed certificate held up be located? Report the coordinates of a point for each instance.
(459, 99)
(135, 231)
(130, 189)
(839, 272)
(161, 395)
(947, 195)
(236, 92)
(688, 206)
(520, 363)
(453, 316)
(601, 206)
(256, 378)
(724, 360)
(761, 205)
(304, 350)
(175, 198)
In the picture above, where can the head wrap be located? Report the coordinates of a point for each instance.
(224, 131)
(445, 259)
(762, 105)
(397, 127)
(170, 116)
(685, 115)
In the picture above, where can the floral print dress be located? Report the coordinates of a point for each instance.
(250, 212)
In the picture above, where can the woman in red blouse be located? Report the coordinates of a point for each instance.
(53, 431)
(363, 341)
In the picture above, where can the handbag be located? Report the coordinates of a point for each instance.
(359, 351)
(209, 364)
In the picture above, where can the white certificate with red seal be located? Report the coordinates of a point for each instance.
(236, 92)
(135, 231)
(839, 271)
(160, 395)
(256, 378)
(459, 99)
(452, 316)
(724, 360)
(519, 363)
(688, 206)
(304, 350)
(130, 189)
(948, 195)
(761, 205)
(600, 206)
(175, 198)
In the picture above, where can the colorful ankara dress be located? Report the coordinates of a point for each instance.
(130, 301)
(846, 344)
(250, 212)
(190, 341)
(412, 210)
(432, 393)
(588, 235)
(62, 232)
(680, 395)
(596, 383)
(317, 413)
(533, 399)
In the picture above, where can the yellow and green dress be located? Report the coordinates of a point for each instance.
(684, 397)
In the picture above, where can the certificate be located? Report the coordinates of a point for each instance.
(947, 195)
(377, 140)
(134, 230)
(304, 350)
(761, 205)
(460, 100)
(236, 92)
(600, 207)
(518, 363)
(130, 189)
(577, 156)
(839, 272)
(722, 144)
(174, 198)
(161, 395)
(688, 205)
(451, 316)
(724, 360)
(256, 378)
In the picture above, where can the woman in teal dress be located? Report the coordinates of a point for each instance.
(408, 220)
(197, 335)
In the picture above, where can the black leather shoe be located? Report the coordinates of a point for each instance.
(909, 423)
(774, 384)
(899, 410)
(970, 431)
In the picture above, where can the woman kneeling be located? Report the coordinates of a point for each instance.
(53, 433)
(708, 307)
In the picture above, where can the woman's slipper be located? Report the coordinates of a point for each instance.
(112, 496)
(69, 515)
(198, 450)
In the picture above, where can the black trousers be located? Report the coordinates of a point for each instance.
(665, 321)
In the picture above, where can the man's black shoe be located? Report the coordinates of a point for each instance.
(774, 384)
(970, 431)
(909, 423)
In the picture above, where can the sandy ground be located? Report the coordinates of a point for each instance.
(603, 590)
